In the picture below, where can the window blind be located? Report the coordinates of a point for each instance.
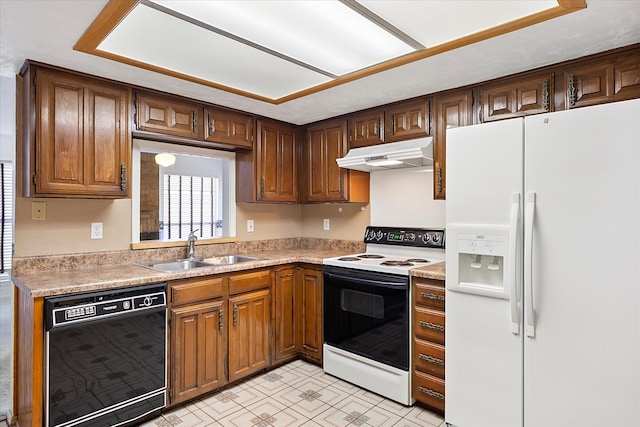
(6, 214)
(190, 203)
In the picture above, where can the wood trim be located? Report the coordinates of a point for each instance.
(150, 244)
(116, 10)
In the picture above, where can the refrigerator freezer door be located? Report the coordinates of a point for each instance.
(582, 368)
(483, 368)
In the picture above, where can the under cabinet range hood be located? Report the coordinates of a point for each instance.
(395, 155)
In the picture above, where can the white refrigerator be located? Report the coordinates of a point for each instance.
(543, 270)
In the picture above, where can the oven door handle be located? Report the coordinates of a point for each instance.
(368, 281)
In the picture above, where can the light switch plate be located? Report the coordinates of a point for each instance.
(250, 226)
(325, 224)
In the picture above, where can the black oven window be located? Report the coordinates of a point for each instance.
(363, 303)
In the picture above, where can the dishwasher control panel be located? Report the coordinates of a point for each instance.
(65, 310)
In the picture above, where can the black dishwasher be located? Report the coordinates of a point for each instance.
(105, 357)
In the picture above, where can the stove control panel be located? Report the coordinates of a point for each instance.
(416, 237)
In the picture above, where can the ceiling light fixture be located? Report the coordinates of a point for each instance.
(165, 159)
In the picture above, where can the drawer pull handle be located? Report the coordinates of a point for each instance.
(432, 296)
(431, 326)
(430, 359)
(220, 320)
(431, 393)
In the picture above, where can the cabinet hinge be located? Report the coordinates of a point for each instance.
(235, 315)
(341, 185)
(377, 127)
(35, 80)
(169, 321)
(135, 109)
(262, 186)
(392, 122)
(170, 396)
(545, 95)
(123, 177)
(33, 179)
(194, 121)
(571, 90)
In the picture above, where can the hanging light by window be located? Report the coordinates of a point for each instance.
(165, 159)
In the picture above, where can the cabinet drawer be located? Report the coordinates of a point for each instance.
(190, 290)
(244, 282)
(428, 357)
(429, 294)
(428, 325)
(428, 390)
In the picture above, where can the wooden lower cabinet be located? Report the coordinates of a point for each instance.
(298, 313)
(198, 349)
(249, 333)
(311, 313)
(428, 343)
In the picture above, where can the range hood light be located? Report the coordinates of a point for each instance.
(381, 161)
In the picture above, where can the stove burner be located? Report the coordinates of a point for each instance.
(417, 260)
(396, 263)
(349, 258)
(370, 256)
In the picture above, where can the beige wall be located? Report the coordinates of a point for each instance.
(67, 226)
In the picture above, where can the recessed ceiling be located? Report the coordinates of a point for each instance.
(275, 50)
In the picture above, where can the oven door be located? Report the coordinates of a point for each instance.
(367, 313)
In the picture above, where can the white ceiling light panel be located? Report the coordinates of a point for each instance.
(436, 22)
(325, 34)
(162, 40)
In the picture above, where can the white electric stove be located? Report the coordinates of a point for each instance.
(367, 308)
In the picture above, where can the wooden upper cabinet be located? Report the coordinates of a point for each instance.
(613, 78)
(366, 129)
(452, 109)
(323, 180)
(531, 94)
(406, 121)
(268, 173)
(168, 115)
(81, 145)
(228, 127)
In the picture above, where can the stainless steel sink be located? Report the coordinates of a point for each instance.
(229, 259)
(176, 265)
(189, 264)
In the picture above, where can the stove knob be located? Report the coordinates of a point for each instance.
(435, 238)
(410, 237)
(426, 238)
(372, 235)
(379, 235)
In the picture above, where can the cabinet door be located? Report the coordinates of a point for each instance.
(229, 128)
(82, 136)
(452, 109)
(249, 333)
(407, 121)
(312, 334)
(518, 97)
(325, 181)
(366, 129)
(610, 79)
(276, 152)
(198, 348)
(156, 113)
(287, 313)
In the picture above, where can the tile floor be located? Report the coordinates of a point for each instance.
(296, 394)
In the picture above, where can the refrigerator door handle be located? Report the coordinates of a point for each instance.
(513, 279)
(528, 268)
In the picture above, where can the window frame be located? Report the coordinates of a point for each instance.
(228, 186)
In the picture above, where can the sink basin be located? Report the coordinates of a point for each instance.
(229, 259)
(177, 265)
(189, 264)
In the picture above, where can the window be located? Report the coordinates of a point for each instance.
(196, 192)
(6, 213)
(190, 203)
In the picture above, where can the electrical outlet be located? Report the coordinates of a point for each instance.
(249, 226)
(38, 211)
(96, 230)
(325, 224)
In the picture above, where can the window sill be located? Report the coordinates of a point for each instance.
(152, 244)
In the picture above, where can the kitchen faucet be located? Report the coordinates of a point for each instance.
(192, 242)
